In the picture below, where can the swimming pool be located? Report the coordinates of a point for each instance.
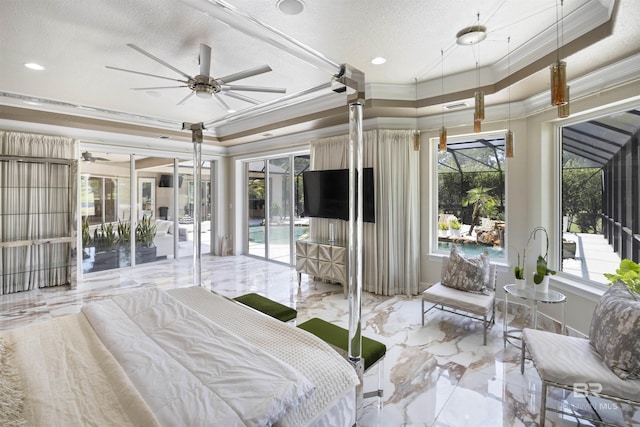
(278, 234)
(471, 248)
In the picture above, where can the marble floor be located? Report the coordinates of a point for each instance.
(438, 375)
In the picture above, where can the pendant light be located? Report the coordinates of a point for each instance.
(564, 110)
(478, 115)
(443, 130)
(559, 92)
(508, 137)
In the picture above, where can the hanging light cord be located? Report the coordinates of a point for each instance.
(478, 56)
(442, 86)
(561, 24)
(509, 77)
(557, 33)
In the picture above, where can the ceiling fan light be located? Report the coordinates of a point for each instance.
(471, 35)
(558, 83)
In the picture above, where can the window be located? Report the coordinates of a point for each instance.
(99, 199)
(600, 195)
(471, 191)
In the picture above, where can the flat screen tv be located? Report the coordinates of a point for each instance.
(326, 194)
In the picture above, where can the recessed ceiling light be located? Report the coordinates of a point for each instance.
(32, 103)
(471, 35)
(34, 66)
(231, 110)
(290, 7)
(378, 60)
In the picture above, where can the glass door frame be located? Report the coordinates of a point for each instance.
(244, 201)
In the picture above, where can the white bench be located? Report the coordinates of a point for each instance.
(571, 363)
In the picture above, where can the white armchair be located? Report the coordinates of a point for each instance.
(467, 288)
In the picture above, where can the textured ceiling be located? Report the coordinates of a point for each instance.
(76, 40)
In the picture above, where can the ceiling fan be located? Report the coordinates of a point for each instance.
(88, 157)
(204, 85)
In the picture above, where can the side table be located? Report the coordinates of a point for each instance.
(533, 298)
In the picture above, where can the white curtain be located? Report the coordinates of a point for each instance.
(391, 248)
(37, 205)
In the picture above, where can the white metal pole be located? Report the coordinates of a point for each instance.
(355, 244)
(196, 137)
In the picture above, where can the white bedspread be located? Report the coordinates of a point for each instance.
(68, 378)
(332, 375)
(190, 370)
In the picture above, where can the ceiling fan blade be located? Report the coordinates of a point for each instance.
(254, 88)
(158, 60)
(182, 101)
(144, 74)
(157, 87)
(205, 60)
(242, 98)
(221, 103)
(244, 74)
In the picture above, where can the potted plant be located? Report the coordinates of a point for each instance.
(518, 272)
(104, 240)
(541, 275)
(145, 233)
(443, 229)
(455, 226)
(629, 273)
(87, 241)
(124, 243)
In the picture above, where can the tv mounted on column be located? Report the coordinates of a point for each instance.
(326, 194)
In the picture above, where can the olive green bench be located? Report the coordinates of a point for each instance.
(337, 337)
(267, 306)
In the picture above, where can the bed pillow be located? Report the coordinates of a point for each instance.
(467, 274)
(615, 328)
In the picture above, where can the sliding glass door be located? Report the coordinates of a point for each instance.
(275, 206)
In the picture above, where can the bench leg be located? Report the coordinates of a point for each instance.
(486, 325)
(543, 404)
(380, 379)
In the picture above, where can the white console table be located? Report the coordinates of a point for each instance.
(322, 259)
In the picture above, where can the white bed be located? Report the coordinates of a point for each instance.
(181, 357)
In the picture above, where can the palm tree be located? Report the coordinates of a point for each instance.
(484, 204)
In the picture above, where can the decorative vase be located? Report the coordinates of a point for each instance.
(521, 284)
(543, 287)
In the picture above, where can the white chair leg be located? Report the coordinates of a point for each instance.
(543, 404)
